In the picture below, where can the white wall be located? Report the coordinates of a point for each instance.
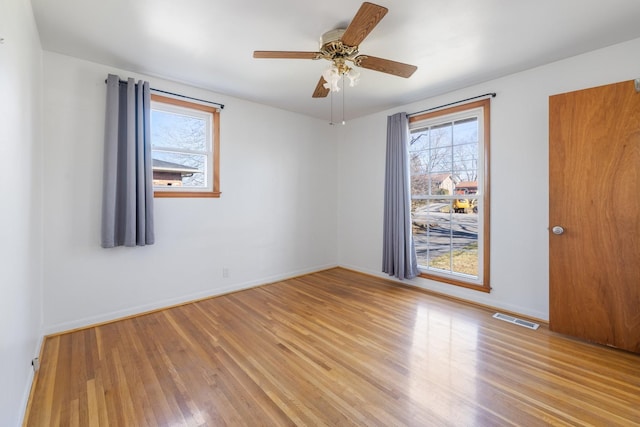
(276, 217)
(519, 177)
(20, 206)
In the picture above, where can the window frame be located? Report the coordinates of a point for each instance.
(215, 150)
(485, 194)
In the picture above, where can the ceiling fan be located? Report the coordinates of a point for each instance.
(341, 46)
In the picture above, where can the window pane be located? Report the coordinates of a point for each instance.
(419, 140)
(178, 131)
(465, 244)
(465, 151)
(179, 169)
(438, 253)
(446, 242)
(465, 131)
(440, 149)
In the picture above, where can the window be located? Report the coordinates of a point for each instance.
(449, 160)
(184, 148)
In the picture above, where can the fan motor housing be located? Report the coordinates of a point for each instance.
(331, 36)
(331, 45)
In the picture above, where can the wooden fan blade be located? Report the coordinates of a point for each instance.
(385, 66)
(365, 20)
(321, 91)
(284, 54)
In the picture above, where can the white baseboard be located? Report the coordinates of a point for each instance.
(156, 305)
(26, 394)
(461, 293)
(458, 293)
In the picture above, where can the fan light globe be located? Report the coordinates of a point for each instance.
(354, 77)
(332, 76)
(335, 73)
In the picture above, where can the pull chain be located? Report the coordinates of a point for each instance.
(344, 88)
(331, 102)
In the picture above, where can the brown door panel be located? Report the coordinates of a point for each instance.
(594, 195)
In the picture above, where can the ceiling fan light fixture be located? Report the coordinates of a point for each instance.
(336, 72)
(354, 77)
(332, 76)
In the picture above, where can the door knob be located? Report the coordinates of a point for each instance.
(557, 230)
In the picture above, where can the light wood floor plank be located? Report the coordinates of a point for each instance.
(334, 348)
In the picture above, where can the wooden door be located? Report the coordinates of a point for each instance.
(594, 180)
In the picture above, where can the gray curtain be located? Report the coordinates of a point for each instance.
(127, 199)
(399, 253)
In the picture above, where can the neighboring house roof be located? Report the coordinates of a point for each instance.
(467, 184)
(440, 177)
(162, 166)
(467, 187)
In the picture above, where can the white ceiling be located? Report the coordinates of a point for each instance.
(209, 43)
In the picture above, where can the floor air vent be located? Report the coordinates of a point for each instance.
(517, 321)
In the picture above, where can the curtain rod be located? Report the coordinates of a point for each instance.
(491, 94)
(181, 96)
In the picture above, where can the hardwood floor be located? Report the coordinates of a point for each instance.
(332, 348)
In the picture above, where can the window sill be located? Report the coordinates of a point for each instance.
(191, 194)
(482, 288)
